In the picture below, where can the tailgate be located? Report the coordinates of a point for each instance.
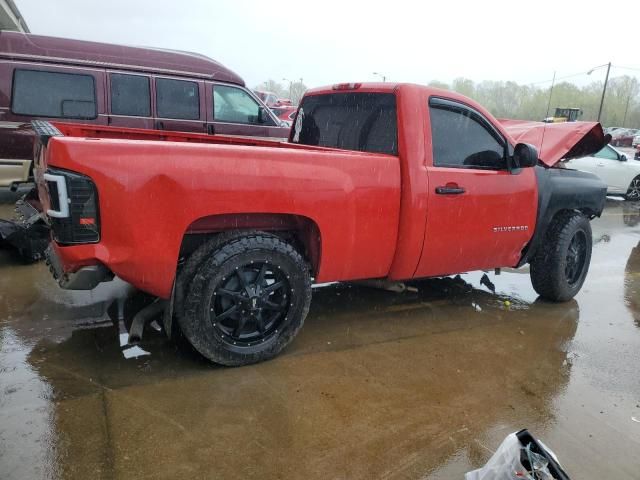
(69, 199)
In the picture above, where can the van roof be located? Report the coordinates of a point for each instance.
(25, 46)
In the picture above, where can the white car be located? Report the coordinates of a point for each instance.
(621, 174)
(636, 141)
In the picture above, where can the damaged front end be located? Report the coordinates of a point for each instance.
(558, 141)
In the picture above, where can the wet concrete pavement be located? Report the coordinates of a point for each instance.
(377, 385)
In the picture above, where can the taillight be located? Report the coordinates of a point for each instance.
(74, 215)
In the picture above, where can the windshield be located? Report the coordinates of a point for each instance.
(351, 121)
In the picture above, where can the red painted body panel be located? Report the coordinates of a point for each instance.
(151, 192)
(485, 228)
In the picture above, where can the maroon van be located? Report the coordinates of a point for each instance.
(88, 82)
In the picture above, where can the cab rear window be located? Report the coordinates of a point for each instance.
(363, 122)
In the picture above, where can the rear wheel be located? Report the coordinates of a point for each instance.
(246, 301)
(560, 266)
(633, 192)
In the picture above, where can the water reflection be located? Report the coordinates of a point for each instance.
(377, 384)
(631, 214)
(632, 284)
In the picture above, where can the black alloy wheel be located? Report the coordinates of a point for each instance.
(249, 306)
(576, 256)
(633, 193)
(243, 297)
(561, 263)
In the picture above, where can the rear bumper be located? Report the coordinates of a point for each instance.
(85, 278)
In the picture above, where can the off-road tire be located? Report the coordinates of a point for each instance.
(550, 263)
(633, 192)
(214, 267)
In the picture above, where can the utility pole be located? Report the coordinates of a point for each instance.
(550, 93)
(626, 109)
(604, 89)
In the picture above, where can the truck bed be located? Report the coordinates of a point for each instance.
(156, 187)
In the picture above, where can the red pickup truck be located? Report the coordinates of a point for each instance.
(377, 181)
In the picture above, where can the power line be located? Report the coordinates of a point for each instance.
(627, 68)
(637, 69)
(559, 78)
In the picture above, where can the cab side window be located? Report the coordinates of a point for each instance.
(234, 105)
(177, 99)
(53, 94)
(130, 95)
(461, 138)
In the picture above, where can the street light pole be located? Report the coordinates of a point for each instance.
(290, 84)
(384, 77)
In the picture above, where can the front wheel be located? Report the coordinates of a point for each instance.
(560, 266)
(633, 192)
(247, 300)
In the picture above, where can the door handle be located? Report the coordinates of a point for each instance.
(600, 164)
(450, 189)
(211, 129)
(159, 125)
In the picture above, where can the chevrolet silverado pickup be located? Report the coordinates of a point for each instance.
(377, 181)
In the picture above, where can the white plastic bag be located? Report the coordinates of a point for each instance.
(505, 464)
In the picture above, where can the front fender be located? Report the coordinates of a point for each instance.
(561, 189)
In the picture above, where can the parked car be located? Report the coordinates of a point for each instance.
(270, 99)
(285, 113)
(623, 138)
(78, 81)
(636, 140)
(637, 154)
(622, 175)
(231, 233)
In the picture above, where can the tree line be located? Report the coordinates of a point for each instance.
(507, 99)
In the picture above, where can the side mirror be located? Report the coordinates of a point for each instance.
(524, 156)
(623, 158)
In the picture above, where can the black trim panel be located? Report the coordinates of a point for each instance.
(563, 189)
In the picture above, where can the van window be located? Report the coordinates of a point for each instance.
(130, 95)
(52, 94)
(234, 105)
(352, 121)
(177, 99)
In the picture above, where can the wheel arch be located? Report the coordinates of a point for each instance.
(300, 230)
(560, 191)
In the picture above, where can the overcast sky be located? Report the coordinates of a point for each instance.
(331, 41)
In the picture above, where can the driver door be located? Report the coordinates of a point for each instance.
(479, 214)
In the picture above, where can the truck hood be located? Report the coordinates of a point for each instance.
(558, 141)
